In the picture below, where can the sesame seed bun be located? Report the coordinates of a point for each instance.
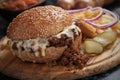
(39, 22)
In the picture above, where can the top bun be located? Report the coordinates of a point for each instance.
(39, 22)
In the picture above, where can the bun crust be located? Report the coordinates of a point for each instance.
(49, 56)
(39, 22)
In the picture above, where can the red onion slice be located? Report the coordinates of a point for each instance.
(116, 19)
(98, 16)
(79, 10)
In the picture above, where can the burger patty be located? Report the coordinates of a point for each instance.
(39, 45)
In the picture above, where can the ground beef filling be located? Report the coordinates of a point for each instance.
(63, 41)
(71, 59)
(53, 41)
(59, 42)
(74, 59)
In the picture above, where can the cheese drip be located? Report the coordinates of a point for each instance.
(68, 31)
(39, 45)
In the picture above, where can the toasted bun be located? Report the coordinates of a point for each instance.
(39, 22)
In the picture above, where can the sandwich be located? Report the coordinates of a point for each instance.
(42, 34)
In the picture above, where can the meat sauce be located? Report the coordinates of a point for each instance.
(72, 58)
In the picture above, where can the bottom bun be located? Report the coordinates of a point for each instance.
(14, 67)
(52, 53)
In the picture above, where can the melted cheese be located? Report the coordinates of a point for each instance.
(39, 45)
(68, 31)
(4, 41)
(19, 49)
(42, 45)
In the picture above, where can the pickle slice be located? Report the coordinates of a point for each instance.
(106, 37)
(93, 47)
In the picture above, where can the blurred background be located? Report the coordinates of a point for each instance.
(11, 8)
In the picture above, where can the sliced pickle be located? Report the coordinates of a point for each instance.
(92, 47)
(106, 37)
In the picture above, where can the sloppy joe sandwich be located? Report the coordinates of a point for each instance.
(42, 34)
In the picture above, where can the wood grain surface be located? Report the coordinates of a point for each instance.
(12, 66)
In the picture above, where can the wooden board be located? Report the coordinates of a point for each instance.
(12, 66)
